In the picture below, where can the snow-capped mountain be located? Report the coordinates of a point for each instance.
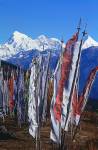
(21, 42)
(89, 42)
(20, 49)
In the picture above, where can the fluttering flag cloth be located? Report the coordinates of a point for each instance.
(20, 103)
(65, 70)
(55, 125)
(45, 78)
(79, 102)
(84, 96)
(37, 105)
(1, 90)
(11, 92)
(74, 106)
(68, 88)
(55, 132)
(5, 97)
(26, 94)
(33, 103)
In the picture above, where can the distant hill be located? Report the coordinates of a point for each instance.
(92, 105)
(89, 60)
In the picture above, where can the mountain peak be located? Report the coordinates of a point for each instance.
(18, 38)
(17, 35)
(43, 38)
(89, 42)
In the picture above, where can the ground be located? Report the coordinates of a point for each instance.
(85, 139)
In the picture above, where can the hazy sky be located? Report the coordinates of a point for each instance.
(54, 18)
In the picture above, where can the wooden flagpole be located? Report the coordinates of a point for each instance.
(38, 143)
(71, 93)
(84, 33)
(60, 130)
(36, 108)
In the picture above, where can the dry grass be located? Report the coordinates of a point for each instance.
(86, 137)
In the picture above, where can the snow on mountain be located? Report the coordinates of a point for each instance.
(48, 43)
(20, 49)
(89, 42)
(16, 43)
(21, 42)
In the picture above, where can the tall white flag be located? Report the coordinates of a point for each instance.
(33, 98)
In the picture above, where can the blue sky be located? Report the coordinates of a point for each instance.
(54, 18)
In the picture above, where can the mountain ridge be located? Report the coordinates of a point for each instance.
(21, 42)
(19, 50)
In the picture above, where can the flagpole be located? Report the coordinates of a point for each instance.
(84, 33)
(43, 96)
(63, 134)
(71, 93)
(37, 113)
(37, 109)
(60, 133)
(40, 70)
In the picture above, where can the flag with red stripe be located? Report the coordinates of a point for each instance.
(65, 71)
